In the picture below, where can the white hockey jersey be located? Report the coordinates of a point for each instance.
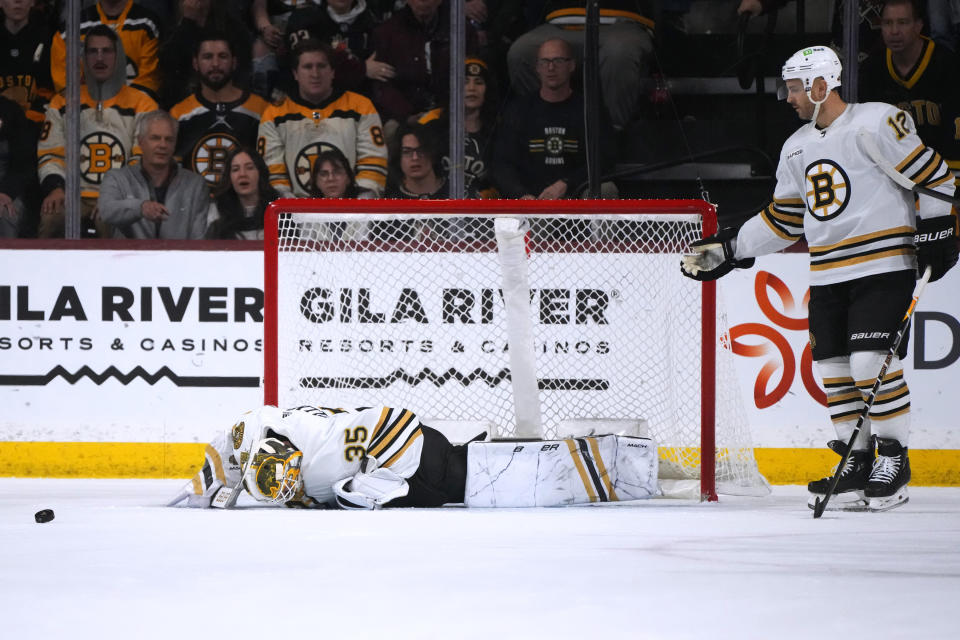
(333, 442)
(856, 220)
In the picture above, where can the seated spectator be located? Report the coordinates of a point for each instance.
(138, 29)
(18, 167)
(219, 116)
(415, 171)
(25, 60)
(480, 103)
(539, 148)
(347, 26)
(415, 41)
(238, 205)
(317, 117)
(626, 42)
(108, 120)
(155, 199)
(332, 176)
(918, 75)
(199, 18)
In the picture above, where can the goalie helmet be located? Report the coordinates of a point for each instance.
(272, 472)
(809, 64)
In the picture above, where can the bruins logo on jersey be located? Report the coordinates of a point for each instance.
(828, 189)
(210, 155)
(303, 166)
(100, 152)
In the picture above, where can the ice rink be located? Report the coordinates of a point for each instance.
(115, 563)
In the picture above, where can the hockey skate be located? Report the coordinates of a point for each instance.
(887, 486)
(848, 496)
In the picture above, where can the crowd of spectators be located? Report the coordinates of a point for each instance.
(197, 113)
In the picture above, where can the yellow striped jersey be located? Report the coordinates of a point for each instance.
(294, 132)
(106, 136)
(856, 220)
(139, 31)
(333, 442)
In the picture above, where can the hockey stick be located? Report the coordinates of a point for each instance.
(868, 144)
(820, 505)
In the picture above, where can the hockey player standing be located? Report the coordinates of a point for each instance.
(865, 241)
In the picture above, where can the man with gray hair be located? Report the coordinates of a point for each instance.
(157, 198)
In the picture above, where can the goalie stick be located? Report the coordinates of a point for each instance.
(867, 143)
(821, 504)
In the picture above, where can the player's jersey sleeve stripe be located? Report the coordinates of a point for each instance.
(602, 468)
(913, 155)
(378, 428)
(391, 434)
(578, 463)
(948, 177)
(417, 433)
(197, 487)
(777, 227)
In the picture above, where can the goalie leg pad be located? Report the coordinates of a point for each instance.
(548, 473)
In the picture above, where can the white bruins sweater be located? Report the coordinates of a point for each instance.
(856, 220)
(293, 132)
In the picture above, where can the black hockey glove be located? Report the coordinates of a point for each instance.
(713, 257)
(936, 245)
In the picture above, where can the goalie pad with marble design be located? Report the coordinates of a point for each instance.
(548, 473)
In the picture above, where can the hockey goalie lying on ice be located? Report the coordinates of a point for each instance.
(382, 457)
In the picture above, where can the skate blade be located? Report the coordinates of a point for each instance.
(849, 501)
(889, 502)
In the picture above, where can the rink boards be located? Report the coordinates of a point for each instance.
(121, 363)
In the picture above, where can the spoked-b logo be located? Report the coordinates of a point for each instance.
(828, 189)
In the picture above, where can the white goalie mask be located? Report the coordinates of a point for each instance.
(807, 65)
(271, 474)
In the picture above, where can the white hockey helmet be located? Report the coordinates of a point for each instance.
(809, 64)
(272, 472)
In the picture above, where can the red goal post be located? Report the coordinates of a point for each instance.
(414, 302)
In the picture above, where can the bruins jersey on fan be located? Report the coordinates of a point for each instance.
(293, 132)
(333, 442)
(929, 92)
(25, 65)
(138, 29)
(106, 136)
(209, 130)
(856, 220)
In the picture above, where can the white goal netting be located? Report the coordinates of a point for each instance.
(533, 324)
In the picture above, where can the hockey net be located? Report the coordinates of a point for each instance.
(539, 320)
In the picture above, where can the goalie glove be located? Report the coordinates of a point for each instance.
(371, 488)
(713, 257)
(936, 245)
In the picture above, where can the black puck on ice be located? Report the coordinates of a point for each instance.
(44, 515)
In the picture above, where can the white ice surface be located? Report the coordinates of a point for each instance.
(115, 563)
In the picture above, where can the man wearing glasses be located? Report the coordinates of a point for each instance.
(626, 42)
(539, 151)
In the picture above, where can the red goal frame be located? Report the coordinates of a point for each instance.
(707, 212)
